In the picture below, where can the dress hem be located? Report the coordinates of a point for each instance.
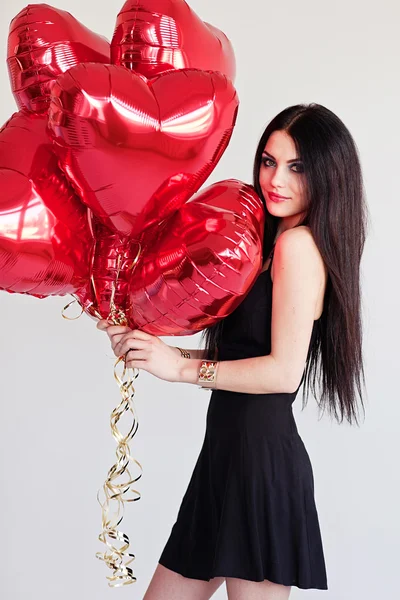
(218, 574)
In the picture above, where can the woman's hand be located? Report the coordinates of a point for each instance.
(144, 351)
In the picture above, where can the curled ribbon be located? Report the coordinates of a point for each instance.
(117, 558)
(66, 307)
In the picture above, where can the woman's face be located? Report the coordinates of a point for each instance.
(282, 173)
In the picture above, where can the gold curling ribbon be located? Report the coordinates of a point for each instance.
(117, 558)
(66, 307)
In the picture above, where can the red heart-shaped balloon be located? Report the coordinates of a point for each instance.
(46, 244)
(196, 269)
(44, 42)
(153, 36)
(45, 239)
(138, 149)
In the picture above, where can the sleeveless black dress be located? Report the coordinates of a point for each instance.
(249, 510)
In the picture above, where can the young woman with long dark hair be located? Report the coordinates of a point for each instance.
(248, 516)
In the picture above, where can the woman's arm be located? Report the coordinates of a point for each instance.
(298, 276)
(259, 375)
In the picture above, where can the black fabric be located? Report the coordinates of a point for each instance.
(249, 509)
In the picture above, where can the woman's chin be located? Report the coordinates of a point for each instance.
(277, 209)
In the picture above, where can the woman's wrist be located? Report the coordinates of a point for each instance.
(189, 370)
(194, 368)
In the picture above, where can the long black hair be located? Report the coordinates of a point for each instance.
(337, 216)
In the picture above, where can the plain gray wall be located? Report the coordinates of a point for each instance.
(57, 387)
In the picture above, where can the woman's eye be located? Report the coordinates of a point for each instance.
(299, 168)
(265, 160)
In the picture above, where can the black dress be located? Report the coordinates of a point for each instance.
(249, 510)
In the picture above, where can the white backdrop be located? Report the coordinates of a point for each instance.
(57, 388)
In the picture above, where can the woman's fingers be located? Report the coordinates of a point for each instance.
(124, 338)
(111, 329)
(115, 340)
(114, 332)
(130, 344)
(117, 330)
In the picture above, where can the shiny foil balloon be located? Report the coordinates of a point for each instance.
(196, 269)
(44, 42)
(45, 238)
(153, 36)
(138, 149)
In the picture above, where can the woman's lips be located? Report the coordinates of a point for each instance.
(276, 198)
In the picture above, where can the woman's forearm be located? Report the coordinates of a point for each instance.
(258, 375)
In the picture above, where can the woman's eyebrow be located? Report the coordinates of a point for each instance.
(288, 161)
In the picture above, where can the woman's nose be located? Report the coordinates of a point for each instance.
(278, 179)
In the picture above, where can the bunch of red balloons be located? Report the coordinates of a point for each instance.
(100, 169)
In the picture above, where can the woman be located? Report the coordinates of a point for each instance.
(248, 516)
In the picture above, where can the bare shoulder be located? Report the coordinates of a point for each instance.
(297, 246)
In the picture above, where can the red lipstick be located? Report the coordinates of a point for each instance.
(277, 197)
